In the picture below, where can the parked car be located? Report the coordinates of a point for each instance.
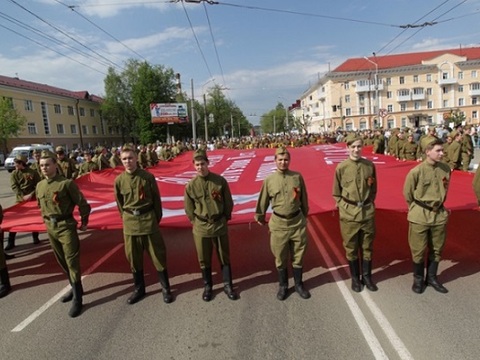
(26, 150)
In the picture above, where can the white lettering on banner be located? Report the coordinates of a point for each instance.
(266, 168)
(243, 155)
(173, 180)
(234, 171)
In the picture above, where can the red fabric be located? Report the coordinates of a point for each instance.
(245, 171)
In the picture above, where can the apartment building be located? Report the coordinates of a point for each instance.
(57, 116)
(402, 90)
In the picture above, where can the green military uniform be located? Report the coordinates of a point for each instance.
(114, 160)
(101, 159)
(139, 203)
(453, 153)
(142, 158)
(57, 198)
(66, 166)
(152, 158)
(399, 147)
(209, 205)
(409, 151)
(355, 190)
(5, 286)
(425, 191)
(467, 149)
(476, 185)
(285, 191)
(379, 144)
(86, 167)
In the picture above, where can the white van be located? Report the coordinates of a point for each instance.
(26, 150)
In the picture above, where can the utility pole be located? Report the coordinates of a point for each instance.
(376, 85)
(206, 117)
(194, 126)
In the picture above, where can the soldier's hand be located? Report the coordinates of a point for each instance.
(261, 223)
(83, 227)
(27, 197)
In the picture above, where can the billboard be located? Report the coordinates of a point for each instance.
(169, 113)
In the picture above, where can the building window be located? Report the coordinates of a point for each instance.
(348, 112)
(60, 129)
(92, 112)
(57, 108)
(94, 129)
(390, 123)
(346, 85)
(445, 75)
(404, 122)
(460, 75)
(32, 128)
(81, 111)
(415, 78)
(390, 108)
(349, 126)
(417, 105)
(28, 105)
(361, 99)
(403, 92)
(402, 79)
(460, 88)
(430, 120)
(85, 129)
(403, 107)
(430, 104)
(474, 73)
(429, 91)
(461, 101)
(388, 81)
(363, 125)
(474, 114)
(389, 94)
(474, 101)
(445, 90)
(429, 77)
(362, 111)
(475, 86)
(445, 103)
(347, 98)
(70, 110)
(418, 91)
(73, 128)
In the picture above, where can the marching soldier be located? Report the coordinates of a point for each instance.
(354, 190)
(66, 166)
(425, 191)
(101, 158)
(208, 205)
(57, 198)
(467, 147)
(138, 201)
(114, 159)
(409, 149)
(23, 181)
(285, 190)
(88, 165)
(454, 151)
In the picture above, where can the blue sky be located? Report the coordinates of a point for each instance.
(263, 51)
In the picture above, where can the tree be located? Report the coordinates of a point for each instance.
(455, 117)
(275, 120)
(11, 122)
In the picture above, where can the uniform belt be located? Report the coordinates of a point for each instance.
(289, 216)
(357, 203)
(57, 218)
(211, 219)
(139, 211)
(428, 207)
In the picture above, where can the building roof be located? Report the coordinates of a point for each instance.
(43, 88)
(405, 59)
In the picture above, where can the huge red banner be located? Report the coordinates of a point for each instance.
(244, 171)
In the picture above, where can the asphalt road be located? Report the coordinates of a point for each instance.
(335, 323)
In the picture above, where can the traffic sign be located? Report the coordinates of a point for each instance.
(382, 112)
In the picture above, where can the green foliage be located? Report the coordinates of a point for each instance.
(275, 121)
(456, 117)
(11, 122)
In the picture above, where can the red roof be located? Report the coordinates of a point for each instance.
(406, 59)
(28, 85)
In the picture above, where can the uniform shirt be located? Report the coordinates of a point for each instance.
(476, 185)
(208, 197)
(23, 182)
(86, 167)
(138, 191)
(467, 144)
(102, 162)
(36, 166)
(142, 159)
(67, 168)
(59, 196)
(355, 181)
(409, 151)
(429, 184)
(115, 161)
(287, 194)
(454, 155)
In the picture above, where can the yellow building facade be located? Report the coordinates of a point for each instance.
(403, 90)
(57, 116)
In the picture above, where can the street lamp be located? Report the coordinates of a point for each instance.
(376, 82)
(205, 107)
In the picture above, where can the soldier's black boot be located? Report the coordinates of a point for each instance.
(77, 303)
(68, 296)
(11, 241)
(357, 285)
(208, 284)
(418, 281)
(139, 292)
(297, 277)
(4, 282)
(167, 294)
(227, 282)
(282, 284)
(432, 277)
(36, 239)
(367, 275)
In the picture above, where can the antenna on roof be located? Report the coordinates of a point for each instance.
(16, 75)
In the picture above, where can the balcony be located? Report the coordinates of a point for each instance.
(474, 92)
(447, 81)
(418, 96)
(404, 97)
(368, 85)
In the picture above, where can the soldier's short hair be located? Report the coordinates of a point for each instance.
(433, 143)
(199, 155)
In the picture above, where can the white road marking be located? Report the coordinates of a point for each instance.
(62, 292)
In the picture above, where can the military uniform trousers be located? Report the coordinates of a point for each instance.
(205, 245)
(288, 241)
(3, 262)
(66, 247)
(358, 235)
(421, 237)
(466, 159)
(153, 244)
